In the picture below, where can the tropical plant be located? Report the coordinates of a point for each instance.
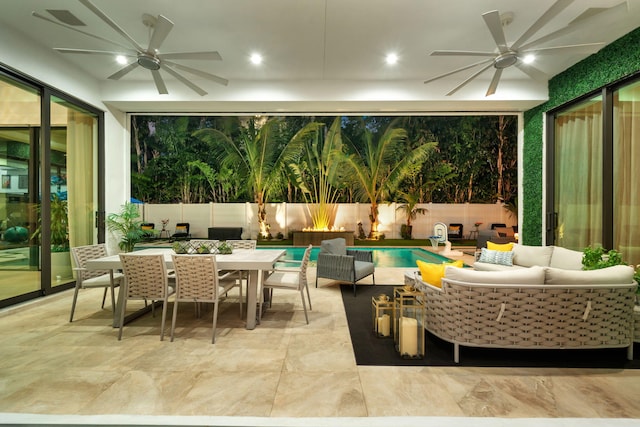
(318, 172)
(127, 225)
(259, 155)
(59, 224)
(379, 166)
(598, 257)
(411, 212)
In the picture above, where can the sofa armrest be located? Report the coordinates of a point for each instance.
(336, 267)
(366, 256)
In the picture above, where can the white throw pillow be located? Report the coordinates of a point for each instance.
(520, 276)
(566, 258)
(615, 275)
(528, 256)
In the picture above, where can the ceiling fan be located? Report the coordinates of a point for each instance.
(516, 53)
(148, 58)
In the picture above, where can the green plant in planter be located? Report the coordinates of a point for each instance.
(203, 249)
(596, 258)
(225, 248)
(181, 247)
(128, 225)
(59, 224)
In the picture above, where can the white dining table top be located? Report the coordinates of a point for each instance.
(240, 259)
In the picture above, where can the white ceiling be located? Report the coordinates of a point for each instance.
(320, 55)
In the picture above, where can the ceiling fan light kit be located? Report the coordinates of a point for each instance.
(149, 58)
(517, 54)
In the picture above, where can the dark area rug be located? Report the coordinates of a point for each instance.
(371, 350)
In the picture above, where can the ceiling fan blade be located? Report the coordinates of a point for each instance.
(471, 77)
(157, 78)
(532, 72)
(68, 27)
(161, 30)
(112, 24)
(492, 19)
(494, 82)
(119, 74)
(551, 13)
(576, 48)
(466, 67)
(196, 72)
(211, 56)
(90, 51)
(460, 53)
(598, 18)
(183, 79)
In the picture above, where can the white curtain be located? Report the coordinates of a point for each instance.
(81, 135)
(578, 176)
(626, 172)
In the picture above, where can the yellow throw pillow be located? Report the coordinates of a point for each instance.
(506, 247)
(433, 273)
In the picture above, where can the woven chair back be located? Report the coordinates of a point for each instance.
(196, 277)
(243, 244)
(146, 276)
(82, 254)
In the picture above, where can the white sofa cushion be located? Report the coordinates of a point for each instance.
(485, 266)
(566, 258)
(615, 275)
(520, 276)
(528, 256)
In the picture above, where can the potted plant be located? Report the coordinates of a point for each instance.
(59, 237)
(225, 248)
(411, 212)
(127, 224)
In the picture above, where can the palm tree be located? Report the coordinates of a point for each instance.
(380, 166)
(410, 211)
(259, 155)
(318, 172)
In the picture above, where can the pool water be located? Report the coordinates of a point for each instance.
(382, 257)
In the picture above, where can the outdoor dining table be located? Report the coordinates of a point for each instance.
(252, 261)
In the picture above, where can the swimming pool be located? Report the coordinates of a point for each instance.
(382, 257)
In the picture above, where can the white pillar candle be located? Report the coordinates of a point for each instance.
(408, 336)
(384, 325)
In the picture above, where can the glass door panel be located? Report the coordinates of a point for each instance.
(626, 154)
(578, 175)
(72, 184)
(19, 144)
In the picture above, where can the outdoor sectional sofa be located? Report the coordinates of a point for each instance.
(540, 307)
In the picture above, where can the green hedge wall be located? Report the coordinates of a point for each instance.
(614, 62)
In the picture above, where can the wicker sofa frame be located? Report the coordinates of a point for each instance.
(530, 316)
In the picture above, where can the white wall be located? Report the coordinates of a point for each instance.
(286, 217)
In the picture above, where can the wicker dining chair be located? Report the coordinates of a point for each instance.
(145, 279)
(291, 279)
(107, 279)
(197, 281)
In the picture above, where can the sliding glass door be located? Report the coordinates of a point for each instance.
(593, 196)
(48, 187)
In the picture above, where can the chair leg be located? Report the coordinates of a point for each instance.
(316, 280)
(308, 296)
(173, 320)
(354, 289)
(73, 304)
(104, 297)
(240, 291)
(304, 306)
(215, 322)
(113, 298)
(124, 308)
(164, 318)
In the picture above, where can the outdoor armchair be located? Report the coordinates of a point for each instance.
(336, 262)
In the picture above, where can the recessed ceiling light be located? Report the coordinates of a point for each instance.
(391, 58)
(528, 59)
(121, 59)
(256, 58)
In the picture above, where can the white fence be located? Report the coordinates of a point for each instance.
(288, 217)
